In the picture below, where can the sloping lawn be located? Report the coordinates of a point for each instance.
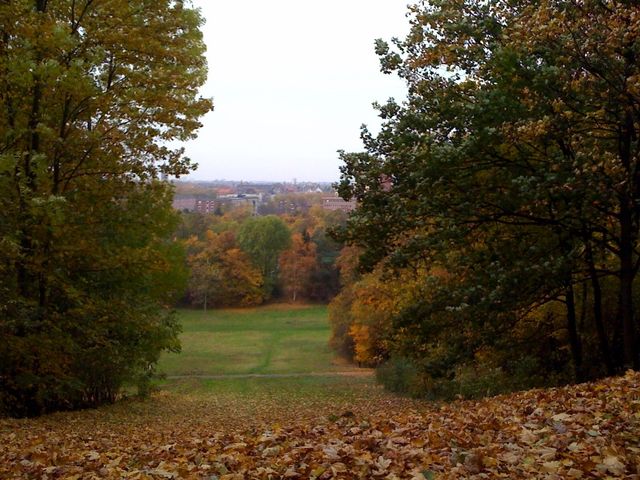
(275, 339)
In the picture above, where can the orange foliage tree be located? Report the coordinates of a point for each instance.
(221, 273)
(362, 314)
(297, 265)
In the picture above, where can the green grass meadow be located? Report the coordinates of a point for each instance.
(269, 359)
(277, 339)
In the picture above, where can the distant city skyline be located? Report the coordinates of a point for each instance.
(292, 82)
(190, 179)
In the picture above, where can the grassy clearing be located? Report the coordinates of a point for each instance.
(269, 340)
(272, 340)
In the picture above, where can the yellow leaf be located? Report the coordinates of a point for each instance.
(551, 467)
(613, 465)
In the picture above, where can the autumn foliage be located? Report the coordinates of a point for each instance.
(92, 94)
(237, 259)
(508, 182)
(578, 432)
(221, 274)
(296, 267)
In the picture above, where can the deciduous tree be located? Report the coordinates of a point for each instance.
(297, 265)
(221, 273)
(514, 156)
(91, 94)
(263, 239)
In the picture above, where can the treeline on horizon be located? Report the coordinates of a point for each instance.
(236, 258)
(499, 205)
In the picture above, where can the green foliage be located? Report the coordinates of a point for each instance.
(341, 320)
(106, 322)
(263, 239)
(399, 375)
(509, 171)
(413, 378)
(305, 256)
(92, 94)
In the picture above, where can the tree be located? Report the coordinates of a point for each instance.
(511, 161)
(221, 273)
(297, 265)
(263, 239)
(91, 95)
(326, 279)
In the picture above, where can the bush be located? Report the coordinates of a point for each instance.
(404, 376)
(401, 376)
(106, 320)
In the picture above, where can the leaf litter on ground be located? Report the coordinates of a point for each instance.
(577, 432)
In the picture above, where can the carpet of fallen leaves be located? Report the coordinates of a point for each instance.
(586, 431)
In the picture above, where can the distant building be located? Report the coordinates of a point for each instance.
(224, 202)
(241, 200)
(184, 203)
(205, 206)
(337, 203)
(194, 204)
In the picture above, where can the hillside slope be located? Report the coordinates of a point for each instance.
(585, 431)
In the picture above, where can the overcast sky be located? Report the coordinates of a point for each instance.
(292, 81)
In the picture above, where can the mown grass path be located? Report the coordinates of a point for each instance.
(268, 364)
(272, 340)
(230, 376)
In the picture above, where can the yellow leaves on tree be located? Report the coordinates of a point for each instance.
(221, 273)
(364, 344)
(96, 96)
(362, 314)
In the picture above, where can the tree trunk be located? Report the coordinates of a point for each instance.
(26, 241)
(23, 276)
(574, 337)
(603, 339)
(628, 217)
(626, 290)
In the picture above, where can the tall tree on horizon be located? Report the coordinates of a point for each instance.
(297, 265)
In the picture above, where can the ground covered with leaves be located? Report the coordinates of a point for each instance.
(586, 431)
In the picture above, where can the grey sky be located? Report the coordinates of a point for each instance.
(292, 81)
